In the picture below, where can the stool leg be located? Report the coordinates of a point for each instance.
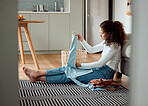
(21, 45)
(31, 46)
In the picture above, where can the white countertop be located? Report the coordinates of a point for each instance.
(42, 12)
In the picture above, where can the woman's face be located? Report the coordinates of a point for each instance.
(103, 34)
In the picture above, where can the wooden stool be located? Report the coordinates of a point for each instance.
(24, 24)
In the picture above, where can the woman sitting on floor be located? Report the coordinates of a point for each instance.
(113, 36)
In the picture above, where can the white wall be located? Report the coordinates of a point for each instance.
(66, 5)
(139, 74)
(98, 12)
(8, 53)
(120, 7)
(76, 18)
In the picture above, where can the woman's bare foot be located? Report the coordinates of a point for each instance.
(31, 74)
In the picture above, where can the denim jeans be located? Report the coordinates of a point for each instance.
(58, 75)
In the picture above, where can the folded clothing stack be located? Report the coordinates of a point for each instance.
(103, 84)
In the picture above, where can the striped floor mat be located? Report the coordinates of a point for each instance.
(43, 94)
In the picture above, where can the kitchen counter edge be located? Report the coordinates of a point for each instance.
(43, 12)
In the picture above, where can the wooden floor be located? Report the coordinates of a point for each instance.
(50, 61)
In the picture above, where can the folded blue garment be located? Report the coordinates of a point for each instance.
(71, 70)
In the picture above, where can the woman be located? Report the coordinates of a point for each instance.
(113, 36)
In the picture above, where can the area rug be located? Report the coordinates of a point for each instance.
(43, 94)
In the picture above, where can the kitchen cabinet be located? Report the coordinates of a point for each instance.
(55, 33)
(39, 32)
(59, 31)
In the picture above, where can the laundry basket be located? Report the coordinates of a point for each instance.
(81, 56)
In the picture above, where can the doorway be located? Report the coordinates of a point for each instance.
(95, 12)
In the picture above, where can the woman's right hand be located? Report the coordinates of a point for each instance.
(80, 38)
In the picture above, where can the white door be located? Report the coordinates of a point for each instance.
(96, 12)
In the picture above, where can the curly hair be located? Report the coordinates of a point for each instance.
(115, 32)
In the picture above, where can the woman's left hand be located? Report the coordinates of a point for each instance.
(78, 64)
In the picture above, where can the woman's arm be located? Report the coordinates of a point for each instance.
(109, 53)
(88, 48)
(93, 49)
